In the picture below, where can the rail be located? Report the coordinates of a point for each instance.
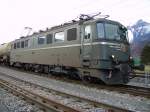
(127, 89)
(45, 104)
(145, 75)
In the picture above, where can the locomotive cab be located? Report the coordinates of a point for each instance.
(105, 47)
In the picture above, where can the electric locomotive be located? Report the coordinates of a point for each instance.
(88, 48)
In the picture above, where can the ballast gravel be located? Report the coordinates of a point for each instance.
(12, 103)
(133, 103)
(68, 101)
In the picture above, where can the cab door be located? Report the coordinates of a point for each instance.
(86, 46)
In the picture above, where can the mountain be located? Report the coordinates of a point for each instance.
(141, 36)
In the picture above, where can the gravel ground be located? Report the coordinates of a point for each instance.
(138, 104)
(11, 103)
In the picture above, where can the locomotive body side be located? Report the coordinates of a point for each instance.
(64, 53)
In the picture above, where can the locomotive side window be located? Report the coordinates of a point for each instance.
(26, 43)
(22, 44)
(41, 40)
(100, 30)
(59, 37)
(72, 34)
(87, 32)
(49, 38)
(14, 45)
(18, 44)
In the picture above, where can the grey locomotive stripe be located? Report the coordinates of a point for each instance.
(103, 43)
(73, 45)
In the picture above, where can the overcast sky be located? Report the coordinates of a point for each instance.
(39, 14)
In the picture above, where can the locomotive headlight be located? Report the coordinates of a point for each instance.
(114, 59)
(113, 56)
(131, 58)
(131, 61)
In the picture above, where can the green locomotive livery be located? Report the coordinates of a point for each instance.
(88, 49)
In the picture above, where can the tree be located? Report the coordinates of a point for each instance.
(145, 55)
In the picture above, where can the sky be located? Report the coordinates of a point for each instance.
(15, 15)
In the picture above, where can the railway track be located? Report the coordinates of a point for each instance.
(81, 104)
(132, 90)
(141, 75)
(126, 89)
(43, 103)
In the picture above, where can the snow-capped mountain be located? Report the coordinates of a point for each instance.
(141, 36)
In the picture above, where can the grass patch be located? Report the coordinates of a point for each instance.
(147, 68)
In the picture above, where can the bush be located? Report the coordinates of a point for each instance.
(145, 55)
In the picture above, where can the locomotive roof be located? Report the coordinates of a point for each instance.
(73, 22)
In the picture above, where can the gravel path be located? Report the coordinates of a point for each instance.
(138, 104)
(11, 103)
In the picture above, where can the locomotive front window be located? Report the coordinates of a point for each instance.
(110, 32)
